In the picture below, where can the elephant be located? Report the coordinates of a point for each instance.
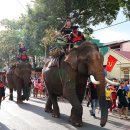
(69, 80)
(18, 78)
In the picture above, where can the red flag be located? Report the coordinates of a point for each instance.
(110, 63)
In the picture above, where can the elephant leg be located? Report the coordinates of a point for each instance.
(11, 94)
(19, 99)
(80, 87)
(48, 107)
(56, 112)
(77, 110)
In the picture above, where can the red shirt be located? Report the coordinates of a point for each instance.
(114, 95)
(23, 57)
(1, 85)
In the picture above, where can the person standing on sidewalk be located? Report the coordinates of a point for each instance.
(2, 92)
(114, 97)
(122, 100)
(109, 96)
(94, 99)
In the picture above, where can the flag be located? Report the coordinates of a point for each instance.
(110, 63)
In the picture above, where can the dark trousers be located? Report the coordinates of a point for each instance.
(0, 100)
(129, 103)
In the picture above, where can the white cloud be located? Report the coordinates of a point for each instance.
(109, 35)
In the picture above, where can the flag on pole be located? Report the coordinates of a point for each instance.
(110, 63)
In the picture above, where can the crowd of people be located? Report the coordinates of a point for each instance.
(117, 98)
(38, 85)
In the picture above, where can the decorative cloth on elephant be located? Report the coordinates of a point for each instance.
(54, 51)
(54, 62)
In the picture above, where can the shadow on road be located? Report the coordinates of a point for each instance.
(3, 127)
(40, 100)
(119, 125)
(63, 120)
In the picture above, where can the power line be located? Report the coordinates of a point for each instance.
(21, 5)
(111, 25)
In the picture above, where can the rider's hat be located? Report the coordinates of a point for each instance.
(75, 27)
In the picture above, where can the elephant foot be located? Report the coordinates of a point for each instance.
(75, 122)
(11, 98)
(55, 115)
(70, 119)
(48, 110)
(19, 101)
(23, 97)
(103, 122)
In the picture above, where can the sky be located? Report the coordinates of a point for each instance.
(12, 9)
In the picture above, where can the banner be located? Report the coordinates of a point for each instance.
(110, 63)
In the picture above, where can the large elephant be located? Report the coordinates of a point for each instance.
(18, 79)
(69, 80)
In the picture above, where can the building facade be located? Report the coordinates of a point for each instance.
(120, 51)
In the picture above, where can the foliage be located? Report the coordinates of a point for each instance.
(49, 37)
(37, 28)
(9, 39)
(53, 13)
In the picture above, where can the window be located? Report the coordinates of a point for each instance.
(116, 47)
(126, 74)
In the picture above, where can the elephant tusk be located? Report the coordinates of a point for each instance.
(93, 80)
(111, 82)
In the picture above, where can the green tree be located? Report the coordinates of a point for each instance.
(9, 39)
(52, 13)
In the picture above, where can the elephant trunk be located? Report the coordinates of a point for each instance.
(102, 98)
(26, 88)
(26, 91)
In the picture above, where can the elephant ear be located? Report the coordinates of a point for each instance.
(72, 59)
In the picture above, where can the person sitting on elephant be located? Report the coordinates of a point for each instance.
(67, 28)
(21, 48)
(76, 36)
(24, 57)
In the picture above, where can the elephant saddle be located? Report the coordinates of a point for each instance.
(11, 71)
(54, 62)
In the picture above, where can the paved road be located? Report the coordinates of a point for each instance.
(31, 116)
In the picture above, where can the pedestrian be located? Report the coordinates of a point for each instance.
(129, 96)
(40, 87)
(122, 100)
(109, 96)
(2, 92)
(35, 89)
(114, 97)
(94, 99)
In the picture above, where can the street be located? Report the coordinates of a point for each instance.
(31, 116)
